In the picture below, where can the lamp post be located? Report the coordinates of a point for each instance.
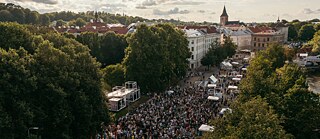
(32, 128)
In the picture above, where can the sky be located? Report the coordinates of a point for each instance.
(186, 10)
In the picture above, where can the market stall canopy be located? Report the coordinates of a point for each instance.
(236, 79)
(227, 64)
(232, 87)
(235, 63)
(206, 128)
(213, 98)
(213, 79)
(170, 92)
(212, 85)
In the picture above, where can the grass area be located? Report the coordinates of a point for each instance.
(131, 107)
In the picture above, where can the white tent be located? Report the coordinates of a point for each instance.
(239, 76)
(227, 64)
(212, 85)
(232, 87)
(206, 128)
(169, 92)
(213, 98)
(213, 79)
(244, 69)
(236, 79)
(235, 63)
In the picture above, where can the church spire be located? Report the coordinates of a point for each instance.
(224, 13)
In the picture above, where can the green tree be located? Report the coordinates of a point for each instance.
(284, 88)
(315, 43)
(252, 119)
(56, 88)
(302, 113)
(32, 18)
(93, 41)
(262, 67)
(156, 57)
(306, 32)
(317, 27)
(44, 20)
(19, 15)
(13, 35)
(78, 22)
(16, 85)
(112, 48)
(292, 33)
(114, 75)
(5, 15)
(60, 22)
(229, 47)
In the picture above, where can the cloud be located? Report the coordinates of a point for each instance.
(201, 11)
(184, 2)
(51, 2)
(149, 3)
(170, 12)
(309, 11)
(141, 7)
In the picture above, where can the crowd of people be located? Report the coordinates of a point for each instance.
(174, 115)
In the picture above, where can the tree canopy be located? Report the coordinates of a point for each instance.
(108, 48)
(57, 87)
(315, 43)
(252, 119)
(306, 32)
(217, 53)
(283, 87)
(156, 57)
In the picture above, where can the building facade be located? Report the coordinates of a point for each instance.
(242, 38)
(263, 37)
(200, 40)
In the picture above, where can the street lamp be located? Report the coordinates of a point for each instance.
(32, 128)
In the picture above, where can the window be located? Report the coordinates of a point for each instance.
(192, 49)
(259, 44)
(192, 57)
(258, 39)
(263, 45)
(268, 39)
(264, 39)
(254, 44)
(192, 41)
(254, 38)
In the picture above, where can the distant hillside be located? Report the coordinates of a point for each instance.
(15, 13)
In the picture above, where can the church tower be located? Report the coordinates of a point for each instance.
(224, 17)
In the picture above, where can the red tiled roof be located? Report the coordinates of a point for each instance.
(261, 29)
(119, 30)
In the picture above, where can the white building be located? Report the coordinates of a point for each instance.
(200, 41)
(241, 37)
